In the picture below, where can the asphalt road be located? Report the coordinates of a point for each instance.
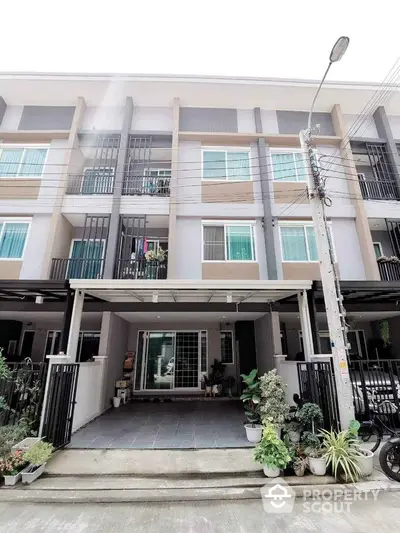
(242, 516)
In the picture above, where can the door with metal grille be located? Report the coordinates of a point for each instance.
(187, 359)
(60, 404)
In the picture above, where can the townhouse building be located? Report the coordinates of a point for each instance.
(174, 212)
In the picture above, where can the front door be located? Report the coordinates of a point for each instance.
(187, 360)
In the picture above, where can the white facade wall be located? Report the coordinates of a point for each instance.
(35, 247)
(103, 118)
(11, 118)
(361, 127)
(347, 248)
(394, 122)
(152, 119)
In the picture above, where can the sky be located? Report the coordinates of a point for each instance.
(285, 38)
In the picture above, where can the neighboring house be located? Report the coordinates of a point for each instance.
(210, 171)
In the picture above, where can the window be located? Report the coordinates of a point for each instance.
(98, 180)
(12, 239)
(228, 242)
(19, 161)
(86, 259)
(288, 166)
(378, 249)
(231, 165)
(88, 344)
(226, 347)
(298, 242)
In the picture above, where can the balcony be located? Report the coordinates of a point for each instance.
(389, 268)
(62, 269)
(91, 182)
(372, 189)
(140, 269)
(148, 182)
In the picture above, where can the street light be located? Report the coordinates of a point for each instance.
(335, 312)
(337, 52)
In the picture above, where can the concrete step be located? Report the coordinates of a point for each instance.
(72, 462)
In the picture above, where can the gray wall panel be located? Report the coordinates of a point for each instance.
(36, 117)
(3, 107)
(294, 121)
(208, 119)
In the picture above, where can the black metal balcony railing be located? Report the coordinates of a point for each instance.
(146, 185)
(389, 269)
(77, 269)
(379, 190)
(140, 269)
(90, 183)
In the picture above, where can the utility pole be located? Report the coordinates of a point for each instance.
(335, 312)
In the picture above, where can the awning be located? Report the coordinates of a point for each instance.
(186, 291)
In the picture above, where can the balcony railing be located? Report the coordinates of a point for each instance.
(76, 269)
(147, 184)
(378, 190)
(140, 269)
(90, 183)
(389, 269)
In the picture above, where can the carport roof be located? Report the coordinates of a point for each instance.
(185, 291)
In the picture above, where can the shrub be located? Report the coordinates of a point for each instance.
(39, 453)
(271, 451)
(251, 396)
(273, 407)
(341, 453)
(310, 416)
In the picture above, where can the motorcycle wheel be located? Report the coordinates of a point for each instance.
(389, 459)
(368, 432)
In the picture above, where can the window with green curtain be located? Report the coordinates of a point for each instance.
(13, 239)
(10, 159)
(33, 162)
(294, 246)
(214, 165)
(300, 166)
(238, 166)
(88, 257)
(240, 243)
(283, 167)
(312, 243)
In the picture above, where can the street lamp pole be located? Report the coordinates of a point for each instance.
(335, 312)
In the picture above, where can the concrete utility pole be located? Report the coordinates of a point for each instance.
(335, 312)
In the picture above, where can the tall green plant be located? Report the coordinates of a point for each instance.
(310, 416)
(271, 451)
(342, 453)
(385, 332)
(251, 396)
(273, 407)
(5, 372)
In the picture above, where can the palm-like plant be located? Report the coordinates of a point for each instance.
(341, 453)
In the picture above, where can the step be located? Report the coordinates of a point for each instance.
(71, 462)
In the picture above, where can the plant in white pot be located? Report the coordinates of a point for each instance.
(341, 451)
(37, 457)
(12, 466)
(292, 429)
(310, 417)
(365, 456)
(271, 453)
(314, 453)
(251, 397)
(273, 407)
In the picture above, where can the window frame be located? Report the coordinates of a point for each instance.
(281, 151)
(304, 224)
(379, 244)
(24, 148)
(103, 253)
(225, 224)
(17, 220)
(80, 337)
(233, 345)
(227, 150)
(96, 168)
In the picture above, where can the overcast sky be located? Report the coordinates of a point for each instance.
(282, 38)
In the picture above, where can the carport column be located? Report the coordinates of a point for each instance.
(305, 322)
(113, 236)
(76, 318)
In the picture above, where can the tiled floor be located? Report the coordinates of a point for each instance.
(177, 424)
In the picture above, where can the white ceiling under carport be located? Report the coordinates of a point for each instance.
(185, 318)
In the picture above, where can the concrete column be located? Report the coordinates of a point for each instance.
(362, 226)
(56, 219)
(268, 225)
(67, 321)
(385, 132)
(76, 318)
(112, 243)
(268, 341)
(305, 325)
(172, 258)
(312, 309)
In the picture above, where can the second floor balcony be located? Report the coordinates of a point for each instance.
(389, 268)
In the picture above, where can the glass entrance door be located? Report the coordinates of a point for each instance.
(187, 360)
(160, 361)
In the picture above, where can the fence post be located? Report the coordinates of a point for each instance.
(53, 360)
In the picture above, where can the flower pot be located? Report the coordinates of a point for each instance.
(317, 465)
(27, 443)
(208, 390)
(215, 390)
(29, 477)
(294, 436)
(253, 432)
(116, 401)
(299, 470)
(366, 462)
(10, 481)
(270, 471)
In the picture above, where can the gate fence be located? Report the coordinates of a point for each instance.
(60, 403)
(317, 385)
(21, 393)
(375, 385)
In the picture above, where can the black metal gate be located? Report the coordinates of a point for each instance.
(317, 385)
(60, 404)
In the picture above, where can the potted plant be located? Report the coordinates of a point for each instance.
(217, 377)
(342, 454)
(271, 453)
(37, 457)
(300, 465)
(310, 417)
(365, 457)
(206, 381)
(273, 407)
(314, 453)
(11, 467)
(251, 397)
(293, 428)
